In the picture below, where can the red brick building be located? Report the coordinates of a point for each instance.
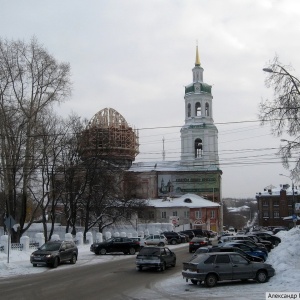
(275, 204)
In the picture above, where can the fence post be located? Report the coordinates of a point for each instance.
(68, 237)
(99, 237)
(24, 241)
(55, 237)
(39, 237)
(107, 235)
(79, 238)
(89, 237)
(4, 242)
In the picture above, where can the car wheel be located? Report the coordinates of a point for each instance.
(211, 280)
(194, 281)
(131, 251)
(261, 276)
(162, 267)
(173, 242)
(161, 244)
(55, 263)
(140, 268)
(35, 265)
(73, 259)
(102, 251)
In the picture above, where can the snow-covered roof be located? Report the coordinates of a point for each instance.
(186, 200)
(275, 191)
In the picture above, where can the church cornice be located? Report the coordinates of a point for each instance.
(194, 88)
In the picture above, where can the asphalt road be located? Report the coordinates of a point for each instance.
(113, 280)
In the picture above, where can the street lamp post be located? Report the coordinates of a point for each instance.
(293, 199)
(284, 72)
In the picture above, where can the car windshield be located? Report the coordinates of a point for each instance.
(51, 246)
(110, 240)
(149, 251)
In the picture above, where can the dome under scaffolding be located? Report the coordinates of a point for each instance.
(108, 136)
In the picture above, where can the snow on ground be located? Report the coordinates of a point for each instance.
(285, 259)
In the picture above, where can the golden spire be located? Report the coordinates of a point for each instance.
(197, 63)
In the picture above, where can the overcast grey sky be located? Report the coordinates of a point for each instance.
(136, 56)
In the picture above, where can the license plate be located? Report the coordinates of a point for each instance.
(37, 258)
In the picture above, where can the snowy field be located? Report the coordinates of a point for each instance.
(285, 259)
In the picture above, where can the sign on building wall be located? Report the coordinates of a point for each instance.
(174, 220)
(174, 184)
(297, 207)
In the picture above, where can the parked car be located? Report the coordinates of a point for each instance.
(228, 249)
(140, 240)
(53, 253)
(197, 242)
(275, 240)
(116, 244)
(172, 237)
(189, 232)
(247, 249)
(184, 237)
(155, 257)
(199, 233)
(245, 240)
(214, 267)
(257, 240)
(280, 228)
(156, 239)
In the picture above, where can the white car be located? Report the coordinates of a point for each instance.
(156, 239)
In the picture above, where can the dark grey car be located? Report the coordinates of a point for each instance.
(213, 267)
(53, 253)
(155, 257)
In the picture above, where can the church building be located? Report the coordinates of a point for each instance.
(197, 172)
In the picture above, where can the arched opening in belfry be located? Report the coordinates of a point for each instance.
(198, 148)
(206, 109)
(198, 109)
(189, 110)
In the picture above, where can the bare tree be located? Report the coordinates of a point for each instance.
(31, 81)
(71, 174)
(283, 112)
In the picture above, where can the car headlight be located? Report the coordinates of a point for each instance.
(48, 255)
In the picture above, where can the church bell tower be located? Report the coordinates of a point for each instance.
(199, 135)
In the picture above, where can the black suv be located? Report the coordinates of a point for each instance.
(155, 257)
(172, 237)
(116, 244)
(53, 253)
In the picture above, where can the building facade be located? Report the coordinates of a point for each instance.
(276, 206)
(188, 210)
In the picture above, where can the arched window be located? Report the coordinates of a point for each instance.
(198, 109)
(206, 109)
(189, 110)
(198, 148)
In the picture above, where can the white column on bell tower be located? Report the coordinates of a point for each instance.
(199, 135)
